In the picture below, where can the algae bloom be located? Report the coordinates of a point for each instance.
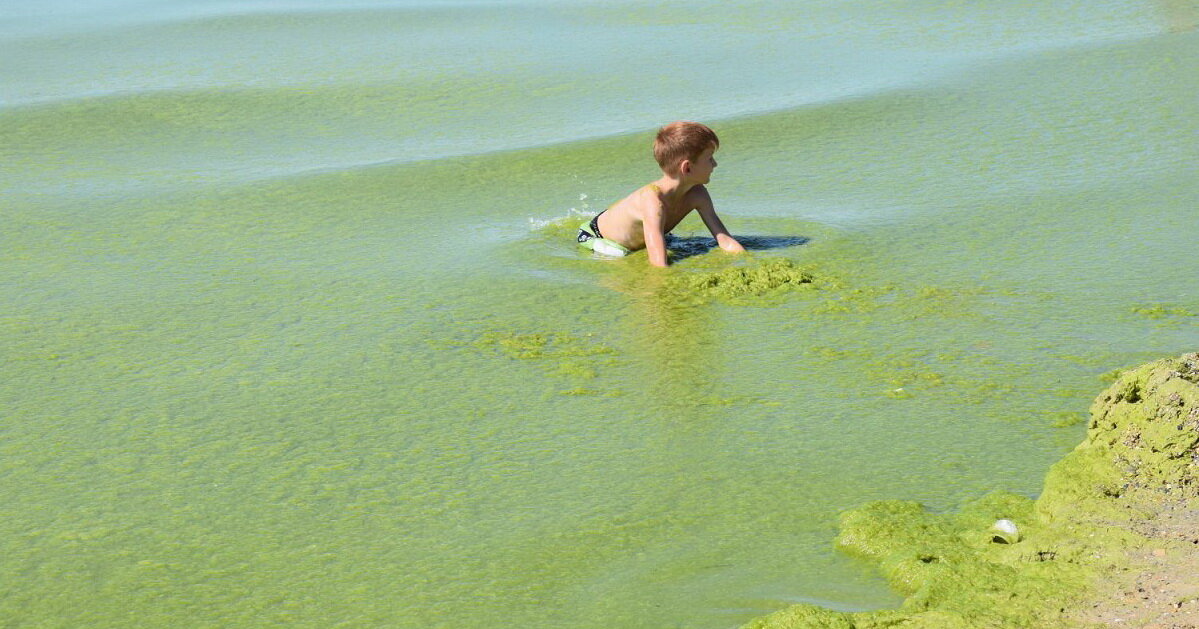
(768, 278)
(1141, 455)
(1142, 442)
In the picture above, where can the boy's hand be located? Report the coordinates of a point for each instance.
(719, 232)
(729, 244)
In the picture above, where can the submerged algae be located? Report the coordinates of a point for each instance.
(1142, 448)
(1162, 311)
(571, 359)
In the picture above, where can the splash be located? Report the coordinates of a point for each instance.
(572, 219)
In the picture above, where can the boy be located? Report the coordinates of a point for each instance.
(642, 219)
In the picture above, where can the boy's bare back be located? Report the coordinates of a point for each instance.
(684, 151)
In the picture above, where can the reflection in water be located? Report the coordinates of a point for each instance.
(675, 340)
(1181, 15)
(673, 333)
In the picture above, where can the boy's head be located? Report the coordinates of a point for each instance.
(679, 141)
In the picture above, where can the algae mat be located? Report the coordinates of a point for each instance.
(295, 331)
(1138, 462)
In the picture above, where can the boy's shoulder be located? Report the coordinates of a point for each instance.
(652, 192)
(649, 198)
(646, 196)
(697, 198)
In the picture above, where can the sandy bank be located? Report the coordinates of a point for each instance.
(1112, 539)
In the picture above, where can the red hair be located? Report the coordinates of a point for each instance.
(680, 141)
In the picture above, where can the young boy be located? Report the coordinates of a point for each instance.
(642, 219)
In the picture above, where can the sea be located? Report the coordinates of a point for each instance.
(295, 331)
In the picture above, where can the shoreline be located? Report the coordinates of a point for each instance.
(1111, 540)
(1159, 590)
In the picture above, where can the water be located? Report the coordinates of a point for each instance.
(294, 333)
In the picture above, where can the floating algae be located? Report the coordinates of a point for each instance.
(1066, 419)
(769, 278)
(572, 359)
(1161, 311)
(1166, 315)
(1141, 450)
(540, 346)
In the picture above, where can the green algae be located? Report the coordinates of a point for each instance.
(540, 345)
(565, 357)
(1162, 311)
(1142, 442)
(1067, 419)
(908, 373)
(1142, 448)
(749, 283)
(1165, 315)
(190, 401)
(852, 301)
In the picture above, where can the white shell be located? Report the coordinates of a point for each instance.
(1006, 526)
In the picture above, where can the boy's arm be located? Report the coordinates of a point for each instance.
(703, 205)
(655, 240)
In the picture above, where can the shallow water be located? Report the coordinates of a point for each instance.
(295, 333)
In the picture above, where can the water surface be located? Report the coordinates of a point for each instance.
(294, 332)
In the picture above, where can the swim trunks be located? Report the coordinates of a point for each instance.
(591, 238)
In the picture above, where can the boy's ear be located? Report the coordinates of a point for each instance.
(685, 167)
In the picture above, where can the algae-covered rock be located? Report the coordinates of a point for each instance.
(1142, 445)
(1142, 440)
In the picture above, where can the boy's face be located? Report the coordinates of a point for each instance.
(701, 169)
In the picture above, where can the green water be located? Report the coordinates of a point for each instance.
(295, 332)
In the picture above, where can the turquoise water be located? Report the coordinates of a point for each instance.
(295, 332)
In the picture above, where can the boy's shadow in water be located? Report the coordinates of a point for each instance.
(676, 337)
(683, 247)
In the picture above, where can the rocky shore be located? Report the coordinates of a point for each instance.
(1113, 539)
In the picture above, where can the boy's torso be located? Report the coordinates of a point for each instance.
(623, 221)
